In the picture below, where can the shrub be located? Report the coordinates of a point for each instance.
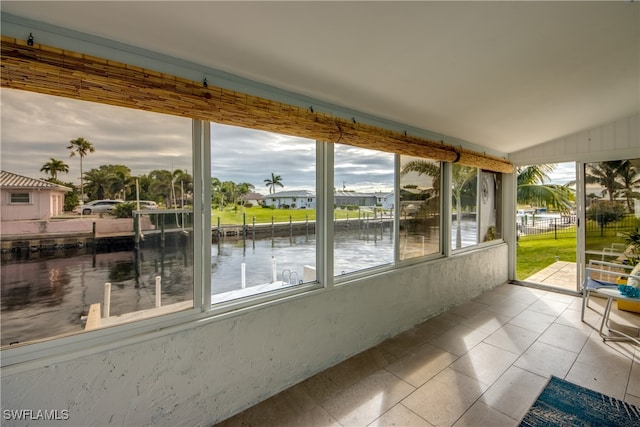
(124, 210)
(604, 212)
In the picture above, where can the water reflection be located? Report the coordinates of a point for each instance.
(45, 295)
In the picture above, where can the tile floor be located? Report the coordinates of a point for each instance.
(479, 364)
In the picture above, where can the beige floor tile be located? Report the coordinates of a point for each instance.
(514, 392)
(634, 380)
(437, 325)
(598, 352)
(559, 297)
(549, 307)
(468, 309)
(459, 339)
(422, 364)
(281, 409)
(444, 398)
(565, 337)
(368, 399)
(486, 321)
(607, 379)
(489, 297)
(320, 387)
(357, 367)
(512, 338)
(316, 417)
(406, 341)
(508, 307)
(485, 363)
(634, 400)
(482, 415)
(400, 416)
(546, 360)
(435, 373)
(533, 320)
(572, 317)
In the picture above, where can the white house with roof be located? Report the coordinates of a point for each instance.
(252, 199)
(353, 198)
(24, 198)
(293, 199)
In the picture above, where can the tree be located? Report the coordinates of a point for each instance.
(532, 189)
(108, 181)
(424, 168)
(606, 175)
(604, 212)
(162, 184)
(121, 181)
(80, 147)
(271, 183)
(629, 177)
(182, 185)
(230, 191)
(461, 176)
(53, 166)
(98, 183)
(217, 197)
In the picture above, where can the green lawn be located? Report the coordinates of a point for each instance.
(232, 216)
(536, 252)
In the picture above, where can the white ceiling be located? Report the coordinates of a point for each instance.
(504, 75)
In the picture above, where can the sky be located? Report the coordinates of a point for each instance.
(36, 127)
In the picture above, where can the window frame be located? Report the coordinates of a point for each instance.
(29, 195)
(55, 349)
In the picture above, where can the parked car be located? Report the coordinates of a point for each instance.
(96, 206)
(148, 204)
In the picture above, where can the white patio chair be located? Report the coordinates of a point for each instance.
(601, 274)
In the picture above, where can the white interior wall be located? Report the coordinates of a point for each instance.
(219, 367)
(617, 140)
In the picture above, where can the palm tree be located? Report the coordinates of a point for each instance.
(98, 183)
(216, 192)
(461, 175)
(605, 174)
(271, 183)
(423, 167)
(629, 177)
(120, 181)
(162, 184)
(532, 189)
(80, 147)
(182, 184)
(53, 166)
(230, 191)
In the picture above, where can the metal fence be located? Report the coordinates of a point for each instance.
(565, 225)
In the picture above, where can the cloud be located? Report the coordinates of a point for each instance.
(37, 127)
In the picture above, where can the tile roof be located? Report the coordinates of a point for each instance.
(12, 180)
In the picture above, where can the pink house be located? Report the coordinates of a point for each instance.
(23, 198)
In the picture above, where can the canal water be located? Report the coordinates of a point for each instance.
(47, 294)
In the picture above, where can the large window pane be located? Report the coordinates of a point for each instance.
(419, 207)
(612, 198)
(263, 198)
(67, 268)
(464, 201)
(364, 209)
(490, 211)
